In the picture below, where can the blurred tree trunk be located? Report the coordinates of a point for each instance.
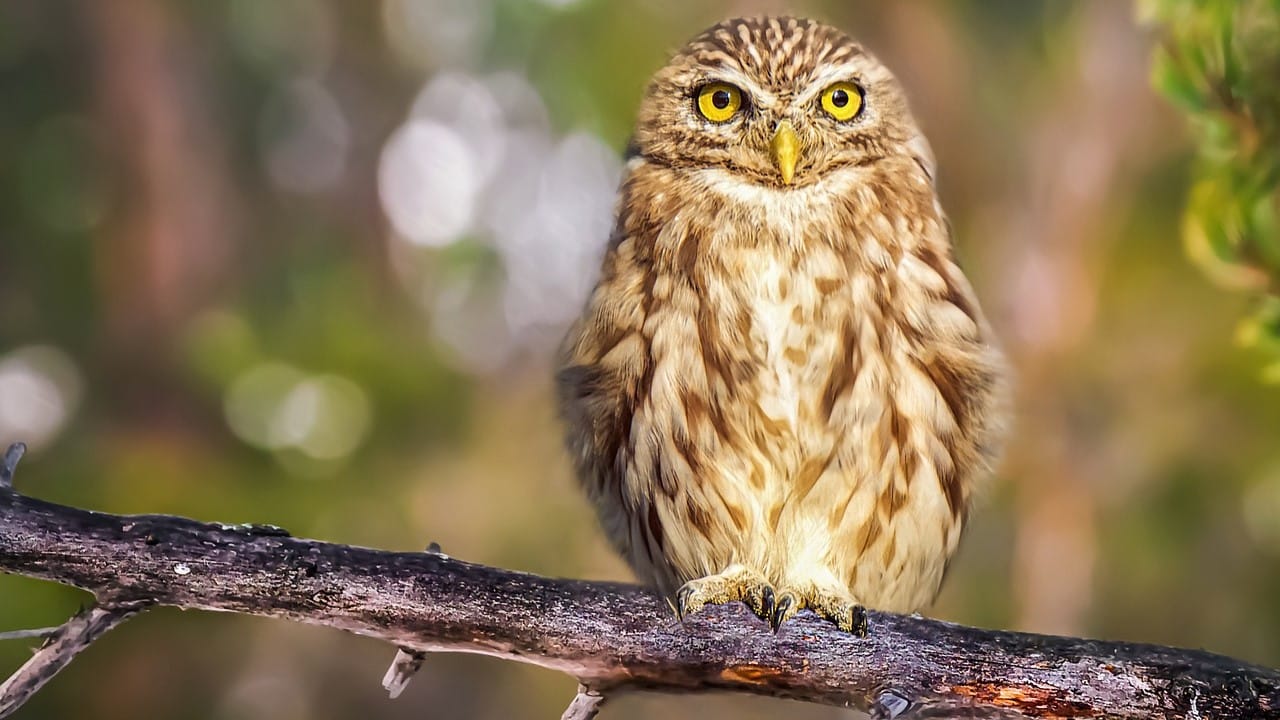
(167, 241)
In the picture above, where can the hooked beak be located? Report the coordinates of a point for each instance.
(786, 150)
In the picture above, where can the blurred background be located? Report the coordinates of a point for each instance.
(305, 262)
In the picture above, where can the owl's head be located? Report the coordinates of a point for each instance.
(777, 100)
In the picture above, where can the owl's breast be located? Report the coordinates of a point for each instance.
(789, 313)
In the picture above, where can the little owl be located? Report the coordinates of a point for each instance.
(782, 390)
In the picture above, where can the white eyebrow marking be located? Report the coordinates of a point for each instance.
(824, 80)
(759, 95)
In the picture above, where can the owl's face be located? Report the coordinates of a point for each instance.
(776, 101)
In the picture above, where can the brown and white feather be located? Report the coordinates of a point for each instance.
(793, 378)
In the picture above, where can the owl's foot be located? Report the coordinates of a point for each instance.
(738, 583)
(845, 614)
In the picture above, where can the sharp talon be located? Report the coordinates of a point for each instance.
(682, 602)
(850, 618)
(860, 625)
(782, 610)
(766, 603)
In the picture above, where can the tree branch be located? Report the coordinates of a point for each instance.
(33, 633)
(612, 637)
(585, 706)
(61, 647)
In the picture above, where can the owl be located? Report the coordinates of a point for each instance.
(782, 390)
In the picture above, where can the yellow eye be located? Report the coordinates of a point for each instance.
(719, 101)
(842, 101)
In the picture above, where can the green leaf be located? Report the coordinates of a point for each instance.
(1172, 80)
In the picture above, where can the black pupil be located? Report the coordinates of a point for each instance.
(721, 99)
(839, 98)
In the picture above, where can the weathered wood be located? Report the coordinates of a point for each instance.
(586, 705)
(60, 647)
(614, 637)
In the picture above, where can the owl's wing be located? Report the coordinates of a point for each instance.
(604, 365)
(596, 405)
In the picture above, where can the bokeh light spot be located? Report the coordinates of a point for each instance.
(427, 183)
(39, 392)
(275, 406)
(432, 33)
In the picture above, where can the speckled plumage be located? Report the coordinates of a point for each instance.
(781, 390)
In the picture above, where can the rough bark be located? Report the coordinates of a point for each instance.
(612, 637)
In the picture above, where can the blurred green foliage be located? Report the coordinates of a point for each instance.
(1220, 63)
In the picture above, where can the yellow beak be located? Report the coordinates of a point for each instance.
(786, 150)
